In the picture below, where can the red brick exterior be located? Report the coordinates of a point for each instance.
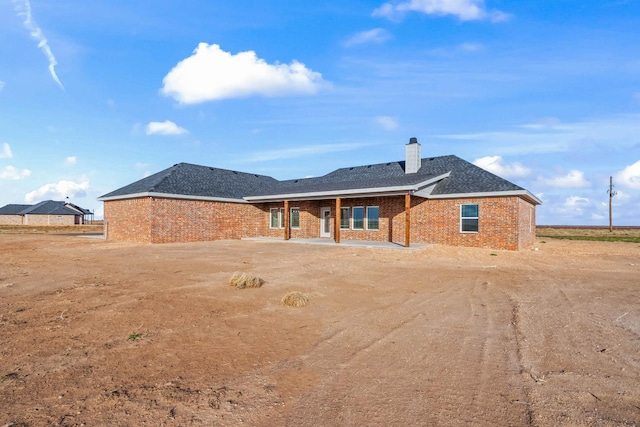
(504, 222)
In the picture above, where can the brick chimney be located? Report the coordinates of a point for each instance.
(413, 158)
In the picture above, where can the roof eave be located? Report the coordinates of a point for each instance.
(169, 196)
(348, 193)
(518, 193)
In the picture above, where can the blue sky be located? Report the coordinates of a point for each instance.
(96, 95)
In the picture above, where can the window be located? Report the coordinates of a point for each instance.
(469, 218)
(344, 218)
(358, 218)
(273, 217)
(276, 218)
(373, 213)
(295, 218)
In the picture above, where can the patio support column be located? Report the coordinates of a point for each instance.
(338, 220)
(407, 220)
(287, 230)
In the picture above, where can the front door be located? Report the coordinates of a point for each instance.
(325, 222)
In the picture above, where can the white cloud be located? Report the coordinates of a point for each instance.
(1, 84)
(70, 161)
(573, 206)
(465, 10)
(574, 179)
(549, 135)
(165, 128)
(545, 123)
(629, 176)
(212, 74)
(59, 190)
(496, 165)
(376, 35)
(9, 172)
(470, 47)
(6, 152)
(387, 123)
(144, 167)
(23, 8)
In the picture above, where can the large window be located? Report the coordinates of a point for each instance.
(295, 218)
(373, 213)
(358, 218)
(276, 218)
(469, 215)
(344, 218)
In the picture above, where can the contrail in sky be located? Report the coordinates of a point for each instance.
(23, 8)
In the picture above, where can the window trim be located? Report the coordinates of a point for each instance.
(476, 218)
(367, 219)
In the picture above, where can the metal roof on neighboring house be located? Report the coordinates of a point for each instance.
(444, 176)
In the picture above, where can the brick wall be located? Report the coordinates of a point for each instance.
(197, 220)
(505, 222)
(526, 224)
(11, 219)
(128, 220)
(309, 220)
(30, 219)
(160, 220)
(501, 225)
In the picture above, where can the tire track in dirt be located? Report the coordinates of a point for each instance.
(408, 346)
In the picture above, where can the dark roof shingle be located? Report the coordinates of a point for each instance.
(193, 180)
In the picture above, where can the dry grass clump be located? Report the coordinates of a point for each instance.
(245, 280)
(295, 299)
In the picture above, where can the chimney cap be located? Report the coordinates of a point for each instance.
(413, 140)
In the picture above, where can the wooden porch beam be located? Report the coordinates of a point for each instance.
(407, 220)
(287, 230)
(338, 220)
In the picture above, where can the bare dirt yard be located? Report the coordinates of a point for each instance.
(106, 333)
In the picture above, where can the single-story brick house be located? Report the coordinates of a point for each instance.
(443, 200)
(49, 212)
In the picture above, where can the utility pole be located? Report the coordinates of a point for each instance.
(611, 194)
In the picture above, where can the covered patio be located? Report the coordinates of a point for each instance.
(343, 242)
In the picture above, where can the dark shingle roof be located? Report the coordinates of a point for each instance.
(48, 207)
(464, 177)
(194, 180)
(186, 179)
(13, 209)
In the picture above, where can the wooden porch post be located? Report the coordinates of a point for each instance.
(407, 220)
(286, 220)
(338, 220)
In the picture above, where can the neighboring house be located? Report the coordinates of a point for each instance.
(49, 212)
(444, 200)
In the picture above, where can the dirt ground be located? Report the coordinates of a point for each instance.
(107, 333)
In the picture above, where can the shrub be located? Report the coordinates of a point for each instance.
(295, 299)
(245, 280)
